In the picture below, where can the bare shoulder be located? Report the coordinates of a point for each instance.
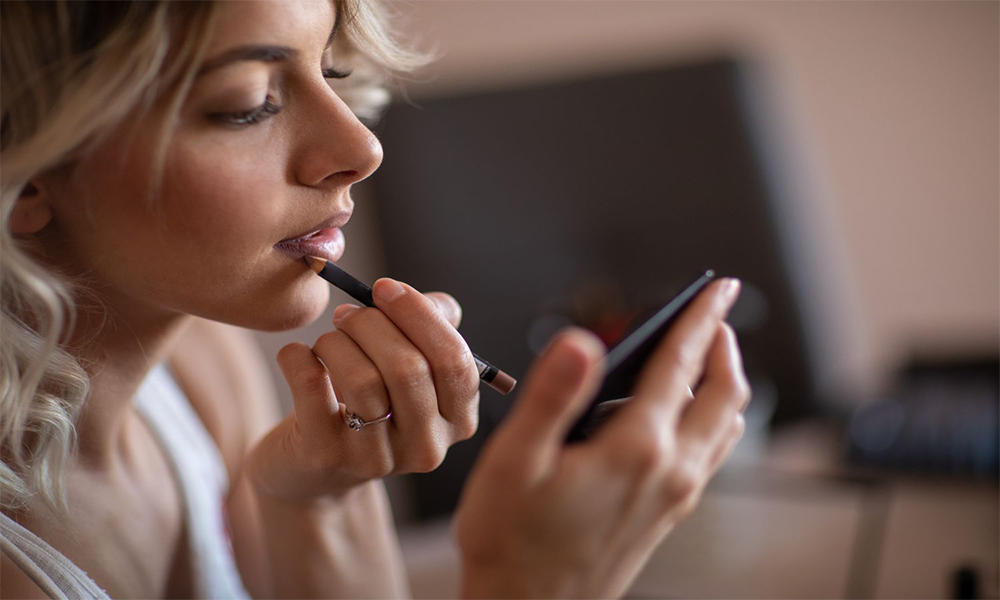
(15, 583)
(227, 380)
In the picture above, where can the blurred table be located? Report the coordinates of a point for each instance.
(788, 520)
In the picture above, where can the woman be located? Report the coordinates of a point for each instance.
(162, 164)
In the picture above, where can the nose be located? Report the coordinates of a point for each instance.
(334, 148)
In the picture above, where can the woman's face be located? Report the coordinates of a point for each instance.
(263, 151)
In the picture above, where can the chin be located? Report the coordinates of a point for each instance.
(285, 313)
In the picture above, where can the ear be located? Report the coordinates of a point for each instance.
(32, 211)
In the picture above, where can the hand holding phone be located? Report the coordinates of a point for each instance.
(535, 513)
(626, 360)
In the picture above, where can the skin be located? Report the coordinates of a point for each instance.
(308, 512)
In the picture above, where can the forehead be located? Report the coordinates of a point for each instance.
(292, 23)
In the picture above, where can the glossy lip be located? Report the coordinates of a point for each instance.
(328, 244)
(336, 221)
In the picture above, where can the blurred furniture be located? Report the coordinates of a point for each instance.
(941, 416)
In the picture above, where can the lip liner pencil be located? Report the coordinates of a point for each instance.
(490, 375)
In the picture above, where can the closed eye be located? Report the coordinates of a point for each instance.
(335, 74)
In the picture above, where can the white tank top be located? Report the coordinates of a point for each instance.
(201, 475)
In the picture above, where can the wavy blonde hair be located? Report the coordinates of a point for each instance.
(71, 71)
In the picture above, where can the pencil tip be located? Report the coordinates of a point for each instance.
(316, 264)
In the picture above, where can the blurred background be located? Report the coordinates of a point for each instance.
(577, 162)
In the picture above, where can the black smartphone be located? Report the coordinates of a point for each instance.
(626, 360)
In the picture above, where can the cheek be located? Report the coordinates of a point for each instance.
(233, 204)
(206, 245)
(222, 214)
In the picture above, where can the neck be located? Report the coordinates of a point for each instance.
(118, 353)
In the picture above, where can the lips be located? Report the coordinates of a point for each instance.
(326, 243)
(324, 239)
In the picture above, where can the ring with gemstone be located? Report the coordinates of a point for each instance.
(357, 423)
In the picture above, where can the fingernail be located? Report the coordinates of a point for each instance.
(730, 289)
(342, 311)
(572, 344)
(388, 290)
(566, 361)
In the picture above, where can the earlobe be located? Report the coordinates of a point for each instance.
(32, 212)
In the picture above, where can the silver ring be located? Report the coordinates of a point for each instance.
(357, 423)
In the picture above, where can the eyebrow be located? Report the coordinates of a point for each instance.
(260, 53)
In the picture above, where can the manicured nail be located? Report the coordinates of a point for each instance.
(388, 290)
(342, 311)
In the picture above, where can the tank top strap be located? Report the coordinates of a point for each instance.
(52, 572)
(201, 475)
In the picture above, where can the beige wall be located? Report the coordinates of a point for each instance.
(895, 103)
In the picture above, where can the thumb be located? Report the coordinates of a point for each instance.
(555, 393)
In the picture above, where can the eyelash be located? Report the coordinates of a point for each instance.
(248, 117)
(268, 109)
(335, 74)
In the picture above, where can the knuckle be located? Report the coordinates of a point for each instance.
(452, 371)
(365, 383)
(684, 479)
(428, 458)
(647, 458)
(648, 455)
(458, 372)
(411, 371)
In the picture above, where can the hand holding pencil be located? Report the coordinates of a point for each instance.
(492, 376)
(387, 392)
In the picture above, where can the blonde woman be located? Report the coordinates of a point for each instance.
(161, 165)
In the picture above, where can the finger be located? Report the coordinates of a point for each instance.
(405, 371)
(309, 382)
(355, 378)
(677, 363)
(723, 392)
(555, 393)
(342, 310)
(448, 306)
(721, 395)
(456, 378)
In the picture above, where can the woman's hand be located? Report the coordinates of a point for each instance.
(542, 519)
(407, 355)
